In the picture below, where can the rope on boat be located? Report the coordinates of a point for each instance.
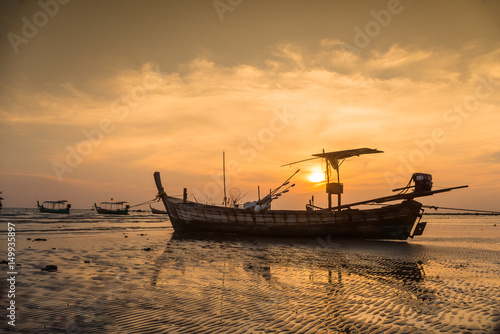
(459, 209)
(150, 201)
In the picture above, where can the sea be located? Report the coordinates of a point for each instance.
(30, 220)
(133, 274)
(469, 228)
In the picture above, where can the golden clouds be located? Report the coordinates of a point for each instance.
(181, 120)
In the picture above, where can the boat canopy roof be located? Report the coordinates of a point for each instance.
(114, 203)
(55, 202)
(347, 153)
(339, 155)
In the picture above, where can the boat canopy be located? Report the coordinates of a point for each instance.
(56, 202)
(334, 157)
(333, 161)
(114, 203)
(347, 153)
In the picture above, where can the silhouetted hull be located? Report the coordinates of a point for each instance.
(389, 222)
(157, 212)
(47, 210)
(111, 212)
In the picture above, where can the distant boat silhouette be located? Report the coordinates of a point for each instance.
(54, 206)
(112, 208)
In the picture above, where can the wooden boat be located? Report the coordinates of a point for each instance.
(112, 208)
(157, 212)
(54, 206)
(396, 221)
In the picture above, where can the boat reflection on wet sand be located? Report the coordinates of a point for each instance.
(289, 284)
(316, 254)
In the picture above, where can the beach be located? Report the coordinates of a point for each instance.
(134, 275)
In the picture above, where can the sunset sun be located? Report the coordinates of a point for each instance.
(316, 176)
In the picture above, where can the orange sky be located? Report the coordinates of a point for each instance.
(96, 96)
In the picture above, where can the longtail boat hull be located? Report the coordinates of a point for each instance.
(111, 212)
(157, 212)
(46, 210)
(388, 222)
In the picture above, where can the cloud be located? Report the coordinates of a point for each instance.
(493, 157)
(182, 120)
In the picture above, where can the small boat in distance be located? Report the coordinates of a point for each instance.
(1, 198)
(54, 206)
(157, 212)
(396, 221)
(112, 208)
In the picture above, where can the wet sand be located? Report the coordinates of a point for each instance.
(155, 282)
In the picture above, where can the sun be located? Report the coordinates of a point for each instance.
(316, 176)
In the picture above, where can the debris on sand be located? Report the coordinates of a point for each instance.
(50, 268)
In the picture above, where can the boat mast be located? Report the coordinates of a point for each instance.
(338, 180)
(328, 181)
(333, 188)
(224, 175)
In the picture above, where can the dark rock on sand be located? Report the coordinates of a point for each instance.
(40, 239)
(50, 268)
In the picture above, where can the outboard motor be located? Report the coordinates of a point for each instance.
(423, 182)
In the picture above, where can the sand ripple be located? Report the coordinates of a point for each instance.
(199, 285)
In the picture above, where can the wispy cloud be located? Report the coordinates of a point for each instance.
(383, 99)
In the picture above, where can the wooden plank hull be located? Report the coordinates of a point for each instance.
(388, 222)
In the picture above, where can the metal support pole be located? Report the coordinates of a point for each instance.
(224, 175)
(338, 180)
(328, 182)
